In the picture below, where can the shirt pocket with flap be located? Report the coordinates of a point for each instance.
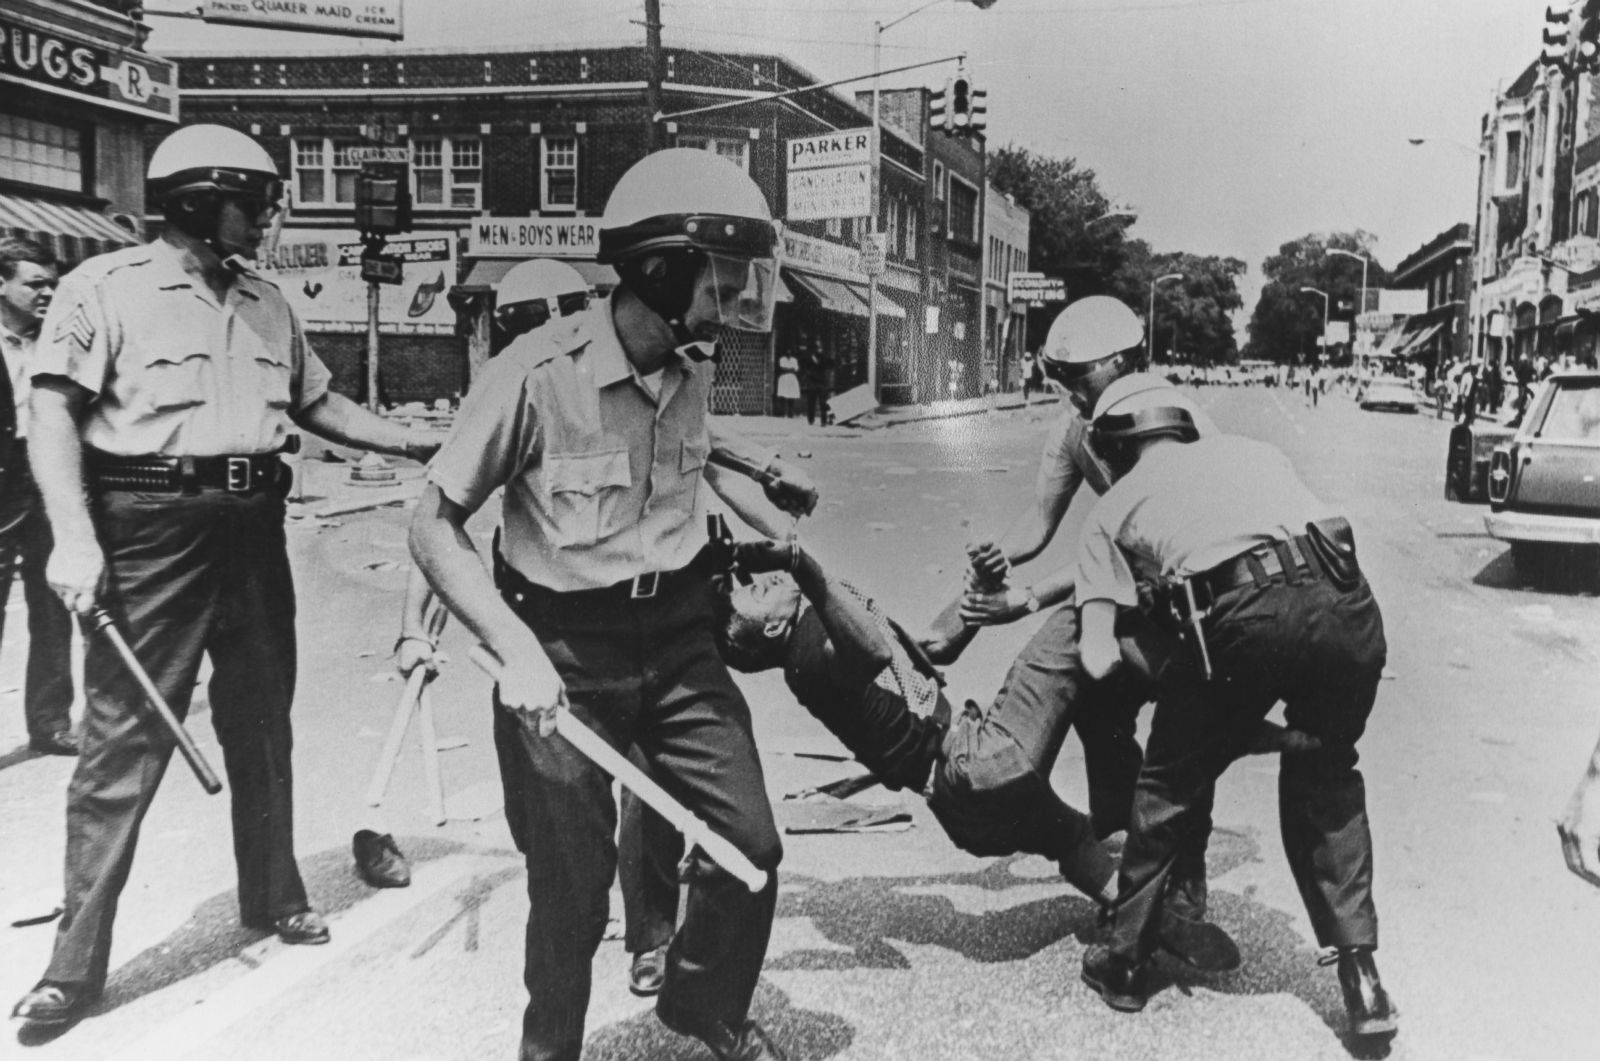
(170, 380)
(272, 378)
(587, 493)
(692, 456)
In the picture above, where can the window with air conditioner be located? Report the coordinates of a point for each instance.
(447, 172)
(558, 173)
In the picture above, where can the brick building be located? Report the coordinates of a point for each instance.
(1442, 268)
(1006, 227)
(76, 95)
(513, 153)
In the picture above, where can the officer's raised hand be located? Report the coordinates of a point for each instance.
(75, 571)
(531, 690)
(789, 488)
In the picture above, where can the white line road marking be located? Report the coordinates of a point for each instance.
(293, 965)
(1299, 428)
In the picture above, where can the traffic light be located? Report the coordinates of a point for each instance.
(960, 102)
(939, 108)
(383, 198)
(1588, 55)
(979, 110)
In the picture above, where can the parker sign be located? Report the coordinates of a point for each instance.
(366, 18)
(319, 272)
(830, 175)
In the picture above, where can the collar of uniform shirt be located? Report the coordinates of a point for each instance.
(611, 364)
(169, 260)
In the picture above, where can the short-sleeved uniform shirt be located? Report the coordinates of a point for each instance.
(1069, 461)
(173, 371)
(603, 479)
(1186, 507)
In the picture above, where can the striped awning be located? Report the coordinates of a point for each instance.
(73, 233)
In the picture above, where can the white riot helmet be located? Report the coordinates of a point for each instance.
(195, 167)
(677, 211)
(535, 292)
(1086, 333)
(1140, 406)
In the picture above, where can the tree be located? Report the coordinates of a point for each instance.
(1069, 234)
(1193, 316)
(1287, 321)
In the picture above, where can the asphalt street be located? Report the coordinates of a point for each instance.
(889, 945)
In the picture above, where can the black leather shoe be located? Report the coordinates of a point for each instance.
(305, 927)
(1365, 1000)
(647, 973)
(749, 1043)
(62, 742)
(379, 861)
(1198, 944)
(51, 1003)
(1120, 982)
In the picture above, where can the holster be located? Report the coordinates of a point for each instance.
(1334, 543)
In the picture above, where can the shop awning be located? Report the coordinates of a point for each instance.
(887, 307)
(1413, 342)
(1390, 344)
(73, 233)
(835, 296)
(488, 272)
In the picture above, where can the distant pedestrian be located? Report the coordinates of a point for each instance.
(788, 384)
(1027, 367)
(28, 278)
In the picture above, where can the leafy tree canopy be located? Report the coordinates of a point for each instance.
(1287, 320)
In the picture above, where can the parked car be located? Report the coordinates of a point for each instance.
(1544, 484)
(1389, 394)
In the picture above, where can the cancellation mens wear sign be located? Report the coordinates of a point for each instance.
(830, 175)
(319, 272)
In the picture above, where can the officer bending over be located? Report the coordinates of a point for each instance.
(1273, 606)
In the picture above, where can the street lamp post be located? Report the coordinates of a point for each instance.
(1324, 294)
(1150, 324)
(1365, 261)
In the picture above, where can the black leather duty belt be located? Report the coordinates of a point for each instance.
(237, 475)
(1281, 561)
(517, 589)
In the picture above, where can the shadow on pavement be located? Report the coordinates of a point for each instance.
(1570, 570)
(804, 1035)
(18, 755)
(213, 935)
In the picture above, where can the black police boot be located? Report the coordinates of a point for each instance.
(1365, 1000)
(1198, 943)
(1121, 983)
(747, 1043)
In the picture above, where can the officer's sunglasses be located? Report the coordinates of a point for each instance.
(263, 211)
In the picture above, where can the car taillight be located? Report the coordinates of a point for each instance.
(1500, 476)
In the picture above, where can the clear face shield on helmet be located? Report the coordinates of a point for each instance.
(745, 289)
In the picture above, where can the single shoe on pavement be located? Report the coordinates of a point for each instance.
(379, 861)
(1365, 1001)
(648, 971)
(1119, 982)
(51, 1003)
(748, 1043)
(307, 926)
(61, 742)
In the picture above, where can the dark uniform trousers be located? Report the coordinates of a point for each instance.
(1321, 651)
(641, 673)
(25, 545)
(188, 574)
(649, 850)
(993, 789)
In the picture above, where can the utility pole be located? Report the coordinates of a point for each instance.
(652, 81)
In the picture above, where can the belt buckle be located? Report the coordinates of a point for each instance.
(644, 586)
(238, 480)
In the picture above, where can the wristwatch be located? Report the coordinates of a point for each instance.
(1032, 603)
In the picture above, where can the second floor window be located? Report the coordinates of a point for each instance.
(558, 175)
(963, 210)
(735, 151)
(41, 153)
(448, 172)
(324, 173)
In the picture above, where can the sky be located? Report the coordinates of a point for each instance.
(1233, 126)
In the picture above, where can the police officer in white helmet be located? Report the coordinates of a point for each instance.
(168, 379)
(536, 292)
(983, 795)
(602, 602)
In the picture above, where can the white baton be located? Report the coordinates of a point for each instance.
(597, 751)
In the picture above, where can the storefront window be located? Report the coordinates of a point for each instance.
(41, 153)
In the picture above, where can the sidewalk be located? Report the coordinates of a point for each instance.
(883, 416)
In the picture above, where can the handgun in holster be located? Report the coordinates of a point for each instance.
(1191, 617)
